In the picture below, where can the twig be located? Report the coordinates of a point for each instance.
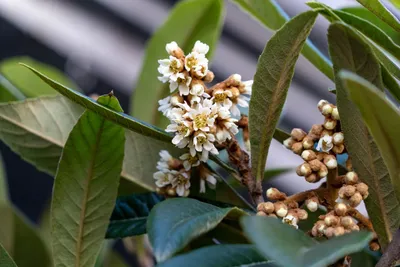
(392, 253)
(361, 218)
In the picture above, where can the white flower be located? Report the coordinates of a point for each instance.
(202, 116)
(163, 163)
(197, 89)
(225, 125)
(169, 68)
(222, 98)
(291, 220)
(200, 48)
(162, 178)
(204, 141)
(181, 128)
(189, 161)
(171, 47)
(182, 82)
(325, 143)
(180, 181)
(165, 106)
(247, 87)
(211, 182)
(196, 62)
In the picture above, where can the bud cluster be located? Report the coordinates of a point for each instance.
(201, 118)
(352, 192)
(173, 175)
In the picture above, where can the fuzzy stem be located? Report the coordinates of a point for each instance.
(361, 218)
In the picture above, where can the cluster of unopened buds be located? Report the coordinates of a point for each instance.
(200, 117)
(319, 149)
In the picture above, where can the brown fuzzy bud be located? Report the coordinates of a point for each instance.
(292, 205)
(288, 143)
(304, 170)
(176, 99)
(362, 188)
(329, 124)
(308, 142)
(312, 204)
(338, 149)
(235, 92)
(355, 227)
(302, 214)
(312, 178)
(281, 209)
(374, 246)
(267, 207)
(321, 226)
(331, 220)
(160, 190)
(339, 230)
(338, 138)
(351, 178)
(330, 162)
(335, 114)
(274, 194)
(209, 77)
(315, 132)
(297, 148)
(323, 171)
(355, 200)
(272, 215)
(321, 156)
(340, 209)
(171, 192)
(308, 155)
(347, 191)
(321, 103)
(314, 231)
(347, 222)
(326, 132)
(329, 232)
(326, 109)
(261, 213)
(315, 165)
(298, 134)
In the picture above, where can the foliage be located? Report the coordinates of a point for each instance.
(119, 176)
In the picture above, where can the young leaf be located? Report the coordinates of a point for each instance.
(221, 256)
(188, 22)
(173, 223)
(5, 258)
(274, 73)
(272, 16)
(28, 83)
(120, 118)
(349, 51)
(85, 187)
(130, 215)
(376, 7)
(276, 240)
(382, 119)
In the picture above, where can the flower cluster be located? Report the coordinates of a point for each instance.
(200, 117)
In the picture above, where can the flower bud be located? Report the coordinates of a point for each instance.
(298, 134)
(323, 171)
(327, 109)
(297, 148)
(338, 231)
(315, 165)
(292, 205)
(160, 190)
(235, 92)
(351, 178)
(288, 143)
(355, 227)
(272, 215)
(171, 192)
(329, 124)
(347, 222)
(275, 194)
(281, 209)
(329, 232)
(308, 142)
(374, 246)
(322, 103)
(362, 188)
(304, 170)
(330, 162)
(268, 207)
(335, 114)
(321, 226)
(355, 199)
(340, 209)
(331, 220)
(187, 192)
(338, 149)
(312, 178)
(312, 204)
(315, 132)
(209, 77)
(261, 213)
(176, 99)
(338, 138)
(314, 231)
(347, 191)
(326, 132)
(302, 214)
(308, 155)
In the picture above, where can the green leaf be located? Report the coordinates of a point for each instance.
(189, 21)
(272, 173)
(382, 119)
(28, 83)
(390, 83)
(396, 3)
(173, 223)
(349, 51)
(5, 258)
(130, 215)
(221, 256)
(274, 73)
(272, 16)
(8, 92)
(376, 7)
(85, 187)
(276, 240)
(120, 118)
(3, 183)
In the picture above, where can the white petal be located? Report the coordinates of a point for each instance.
(183, 89)
(202, 186)
(180, 190)
(170, 47)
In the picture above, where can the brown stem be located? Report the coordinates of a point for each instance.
(303, 196)
(361, 218)
(332, 186)
(242, 160)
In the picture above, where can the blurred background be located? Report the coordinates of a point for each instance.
(100, 44)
